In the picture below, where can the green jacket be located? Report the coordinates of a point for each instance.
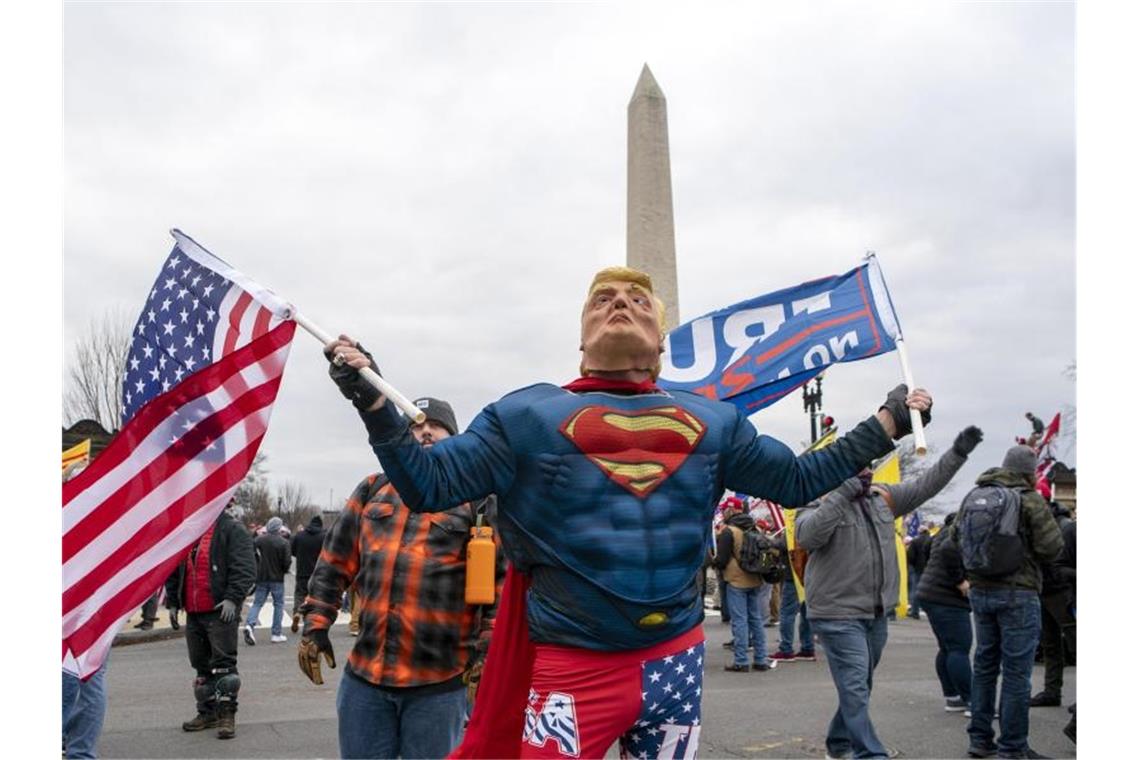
(1039, 532)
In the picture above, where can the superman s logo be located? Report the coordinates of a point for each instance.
(637, 450)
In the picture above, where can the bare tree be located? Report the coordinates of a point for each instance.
(294, 506)
(911, 465)
(94, 385)
(252, 496)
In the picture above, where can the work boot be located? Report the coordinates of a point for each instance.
(226, 724)
(296, 622)
(201, 722)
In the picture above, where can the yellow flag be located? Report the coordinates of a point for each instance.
(822, 442)
(80, 452)
(888, 472)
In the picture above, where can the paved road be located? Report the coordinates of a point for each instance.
(782, 713)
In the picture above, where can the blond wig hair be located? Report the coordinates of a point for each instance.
(643, 282)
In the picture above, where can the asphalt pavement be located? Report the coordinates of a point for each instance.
(781, 713)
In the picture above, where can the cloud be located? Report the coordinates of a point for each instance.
(441, 181)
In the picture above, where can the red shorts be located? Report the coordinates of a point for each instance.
(582, 701)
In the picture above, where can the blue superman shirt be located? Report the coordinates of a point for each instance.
(606, 499)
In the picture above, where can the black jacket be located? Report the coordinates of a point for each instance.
(943, 573)
(1060, 576)
(306, 547)
(273, 557)
(918, 553)
(231, 565)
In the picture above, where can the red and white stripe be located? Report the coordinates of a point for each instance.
(241, 319)
(777, 513)
(1050, 433)
(129, 518)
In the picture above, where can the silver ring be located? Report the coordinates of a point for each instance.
(338, 360)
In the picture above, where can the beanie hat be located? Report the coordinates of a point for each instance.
(1020, 459)
(438, 411)
(317, 522)
(273, 525)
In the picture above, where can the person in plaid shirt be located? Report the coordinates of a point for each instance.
(420, 644)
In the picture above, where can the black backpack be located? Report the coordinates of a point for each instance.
(989, 535)
(759, 556)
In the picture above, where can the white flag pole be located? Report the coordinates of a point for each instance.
(883, 299)
(915, 416)
(407, 407)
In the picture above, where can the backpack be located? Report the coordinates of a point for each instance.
(759, 557)
(988, 532)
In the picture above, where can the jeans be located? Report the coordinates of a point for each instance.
(1007, 625)
(853, 648)
(790, 605)
(951, 626)
(913, 577)
(84, 704)
(265, 588)
(744, 609)
(372, 722)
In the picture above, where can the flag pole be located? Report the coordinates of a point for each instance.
(399, 399)
(904, 359)
(915, 417)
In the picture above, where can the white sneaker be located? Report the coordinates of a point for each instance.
(248, 632)
(278, 638)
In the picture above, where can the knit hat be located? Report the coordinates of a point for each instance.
(438, 411)
(1020, 459)
(273, 525)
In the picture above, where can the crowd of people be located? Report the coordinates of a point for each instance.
(574, 523)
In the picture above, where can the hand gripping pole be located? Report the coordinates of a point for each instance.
(399, 399)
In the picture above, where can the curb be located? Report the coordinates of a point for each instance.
(127, 638)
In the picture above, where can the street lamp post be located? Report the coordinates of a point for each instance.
(813, 401)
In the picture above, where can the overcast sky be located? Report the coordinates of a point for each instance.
(441, 181)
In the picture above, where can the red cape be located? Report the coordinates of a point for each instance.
(496, 726)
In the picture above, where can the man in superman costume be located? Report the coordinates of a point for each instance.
(606, 491)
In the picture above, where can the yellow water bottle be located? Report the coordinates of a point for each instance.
(480, 565)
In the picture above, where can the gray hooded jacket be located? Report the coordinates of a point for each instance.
(852, 569)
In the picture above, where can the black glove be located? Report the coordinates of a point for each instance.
(313, 645)
(354, 387)
(900, 412)
(967, 440)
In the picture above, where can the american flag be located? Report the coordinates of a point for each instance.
(1045, 459)
(203, 371)
(913, 524)
(777, 514)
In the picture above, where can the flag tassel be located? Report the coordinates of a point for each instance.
(399, 399)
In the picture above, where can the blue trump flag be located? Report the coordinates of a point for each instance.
(755, 352)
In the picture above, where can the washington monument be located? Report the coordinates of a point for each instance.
(649, 200)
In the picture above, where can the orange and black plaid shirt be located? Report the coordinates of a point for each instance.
(409, 572)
